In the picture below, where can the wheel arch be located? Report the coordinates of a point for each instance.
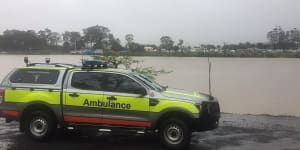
(179, 113)
(38, 105)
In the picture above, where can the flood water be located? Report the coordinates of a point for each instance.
(242, 85)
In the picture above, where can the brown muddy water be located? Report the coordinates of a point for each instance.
(242, 85)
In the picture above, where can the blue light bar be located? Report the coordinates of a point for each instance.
(92, 64)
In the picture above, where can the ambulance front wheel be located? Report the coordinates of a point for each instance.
(175, 134)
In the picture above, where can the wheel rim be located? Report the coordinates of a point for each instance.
(173, 134)
(38, 126)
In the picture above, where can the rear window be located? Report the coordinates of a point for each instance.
(35, 76)
(88, 81)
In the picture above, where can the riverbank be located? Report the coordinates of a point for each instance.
(229, 53)
(236, 131)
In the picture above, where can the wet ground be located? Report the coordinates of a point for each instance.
(238, 132)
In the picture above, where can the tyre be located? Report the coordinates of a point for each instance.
(175, 134)
(39, 125)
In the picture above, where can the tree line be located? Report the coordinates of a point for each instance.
(96, 37)
(277, 38)
(100, 37)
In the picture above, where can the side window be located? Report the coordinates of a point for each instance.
(34, 76)
(122, 84)
(88, 81)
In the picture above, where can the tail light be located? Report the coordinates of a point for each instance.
(2, 92)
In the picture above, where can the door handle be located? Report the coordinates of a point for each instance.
(73, 95)
(153, 102)
(111, 98)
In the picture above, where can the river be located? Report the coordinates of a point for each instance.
(242, 85)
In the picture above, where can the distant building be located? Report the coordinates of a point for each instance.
(88, 51)
(150, 49)
(99, 51)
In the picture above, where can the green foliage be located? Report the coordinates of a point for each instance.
(129, 63)
(114, 43)
(96, 36)
(132, 46)
(283, 44)
(71, 40)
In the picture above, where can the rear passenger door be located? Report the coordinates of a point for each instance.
(125, 101)
(82, 97)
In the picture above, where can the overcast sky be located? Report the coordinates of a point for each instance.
(194, 21)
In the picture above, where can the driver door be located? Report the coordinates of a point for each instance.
(125, 101)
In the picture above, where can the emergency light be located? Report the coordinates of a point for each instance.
(93, 64)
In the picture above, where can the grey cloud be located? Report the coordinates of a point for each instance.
(195, 21)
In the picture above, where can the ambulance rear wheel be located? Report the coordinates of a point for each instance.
(175, 134)
(39, 125)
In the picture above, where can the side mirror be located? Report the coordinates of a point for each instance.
(141, 91)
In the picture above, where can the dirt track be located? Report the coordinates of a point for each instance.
(235, 132)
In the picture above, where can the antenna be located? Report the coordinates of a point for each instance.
(209, 73)
(26, 60)
(47, 60)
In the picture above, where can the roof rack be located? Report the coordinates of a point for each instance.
(48, 64)
(53, 65)
(65, 65)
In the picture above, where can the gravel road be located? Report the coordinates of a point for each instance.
(249, 132)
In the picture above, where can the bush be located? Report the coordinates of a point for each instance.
(128, 62)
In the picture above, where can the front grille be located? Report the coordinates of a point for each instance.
(210, 109)
(213, 108)
(209, 116)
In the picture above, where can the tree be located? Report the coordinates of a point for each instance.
(133, 46)
(96, 36)
(54, 38)
(71, 39)
(129, 38)
(136, 47)
(1, 42)
(277, 38)
(167, 43)
(180, 46)
(262, 45)
(293, 38)
(208, 47)
(20, 40)
(44, 35)
(114, 43)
